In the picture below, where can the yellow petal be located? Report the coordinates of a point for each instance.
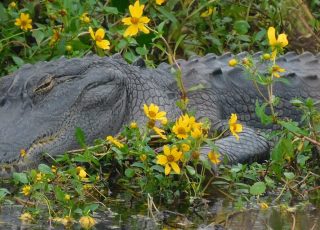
(282, 39)
(127, 21)
(144, 20)
(92, 33)
(233, 118)
(136, 10)
(143, 28)
(176, 154)
(272, 36)
(131, 31)
(104, 44)
(18, 22)
(167, 169)
(162, 159)
(238, 128)
(166, 150)
(175, 167)
(154, 108)
(146, 109)
(24, 17)
(100, 33)
(161, 114)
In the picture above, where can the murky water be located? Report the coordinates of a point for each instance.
(217, 214)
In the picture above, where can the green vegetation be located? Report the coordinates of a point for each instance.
(161, 160)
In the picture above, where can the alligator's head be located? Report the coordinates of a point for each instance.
(42, 104)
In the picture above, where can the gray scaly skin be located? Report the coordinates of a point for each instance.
(42, 104)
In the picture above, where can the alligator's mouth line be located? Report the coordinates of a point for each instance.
(22, 162)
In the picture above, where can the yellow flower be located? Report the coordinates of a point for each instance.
(12, 5)
(98, 37)
(264, 205)
(133, 125)
(152, 112)
(266, 56)
(55, 37)
(39, 176)
(24, 22)
(247, 62)
(66, 221)
(23, 153)
(143, 157)
(196, 133)
(87, 187)
(275, 70)
(85, 17)
(160, 132)
(164, 121)
(207, 13)
(26, 217)
(67, 197)
(87, 222)
(26, 190)
(160, 2)
(233, 62)
(214, 157)
(114, 141)
(68, 48)
(276, 43)
(182, 127)
(170, 159)
(81, 172)
(234, 126)
(136, 22)
(53, 168)
(185, 147)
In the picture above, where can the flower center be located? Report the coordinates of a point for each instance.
(170, 158)
(134, 20)
(98, 38)
(23, 23)
(182, 130)
(152, 114)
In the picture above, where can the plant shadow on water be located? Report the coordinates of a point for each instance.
(218, 213)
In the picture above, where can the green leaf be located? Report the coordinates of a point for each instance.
(110, 10)
(241, 27)
(3, 193)
(45, 169)
(19, 62)
(90, 208)
(258, 188)
(138, 165)
(129, 172)
(260, 111)
(142, 51)
(289, 175)
(20, 177)
(293, 127)
(168, 15)
(39, 36)
(80, 137)
(191, 170)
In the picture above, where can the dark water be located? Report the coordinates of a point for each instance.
(218, 214)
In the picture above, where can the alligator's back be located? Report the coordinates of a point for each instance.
(228, 90)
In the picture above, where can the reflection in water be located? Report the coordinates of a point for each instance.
(218, 214)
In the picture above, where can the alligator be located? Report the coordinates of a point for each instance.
(42, 104)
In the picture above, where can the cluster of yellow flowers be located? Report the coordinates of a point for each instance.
(276, 44)
(136, 22)
(185, 126)
(154, 114)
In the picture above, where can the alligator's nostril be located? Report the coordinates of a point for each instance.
(3, 102)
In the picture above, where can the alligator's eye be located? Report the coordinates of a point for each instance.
(45, 86)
